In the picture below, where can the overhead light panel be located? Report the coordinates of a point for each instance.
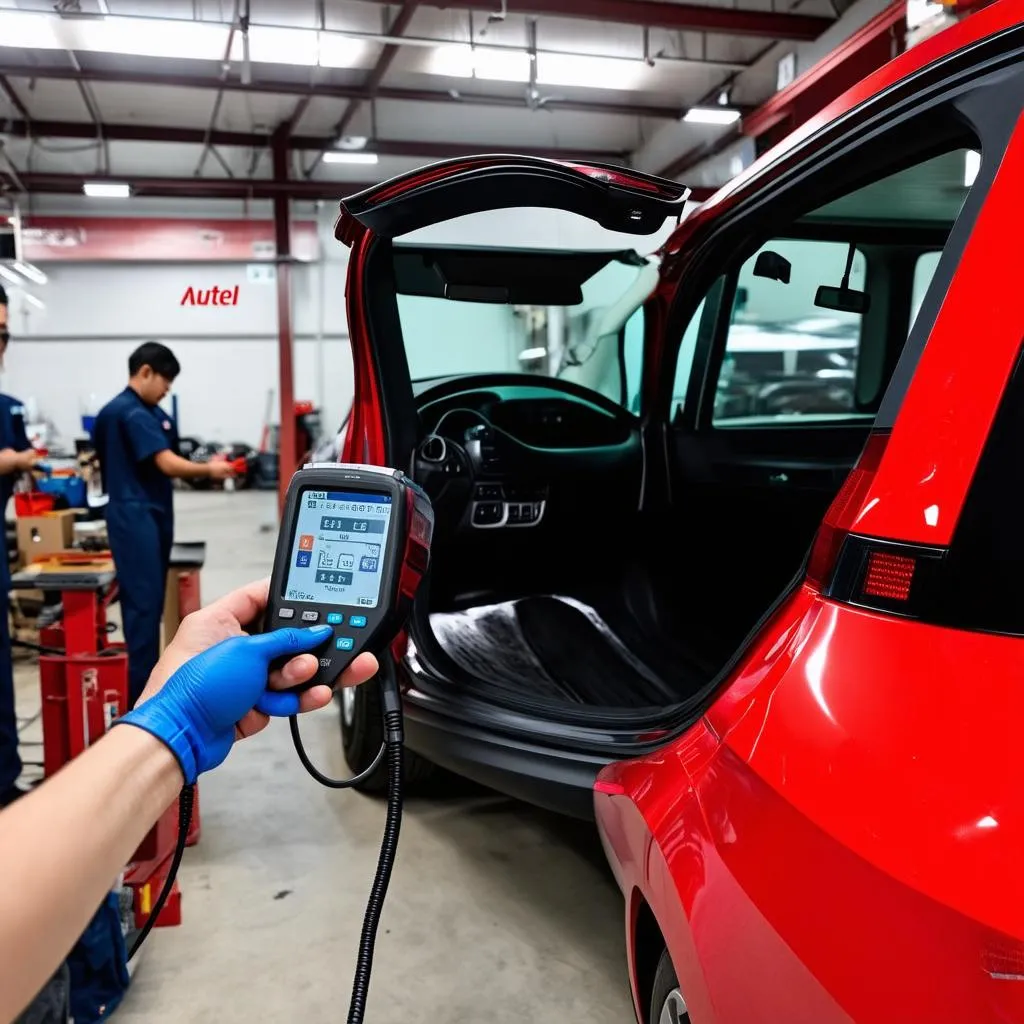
(972, 164)
(38, 303)
(574, 69)
(340, 156)
(34, 274)
(711, 115)
(107, 190)
(484, 62)
(10, 276)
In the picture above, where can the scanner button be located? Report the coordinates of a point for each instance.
(357, 621)
(335, 618)
(344, 643)
(286, 613)
(310, 616)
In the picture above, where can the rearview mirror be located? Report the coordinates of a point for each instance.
(843, 300)
(773, 266)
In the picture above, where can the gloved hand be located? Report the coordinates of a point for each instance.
(196, 710)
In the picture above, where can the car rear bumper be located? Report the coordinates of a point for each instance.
(560, 780)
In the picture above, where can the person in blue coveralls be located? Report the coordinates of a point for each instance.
(135, 441)
(16, 456)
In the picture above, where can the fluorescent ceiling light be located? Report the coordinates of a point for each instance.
(485, 63)
(711, 115)
(9, 275)
(340, 156)
(31, 272)
(38, 303)
(589, 72)
(533, 353)
(972, 164)
(107, 190)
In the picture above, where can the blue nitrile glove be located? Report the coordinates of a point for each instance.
(195, 711)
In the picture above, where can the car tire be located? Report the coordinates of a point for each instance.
(667, 1003)
(362, 732)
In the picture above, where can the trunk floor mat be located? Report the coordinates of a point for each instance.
(552, 647)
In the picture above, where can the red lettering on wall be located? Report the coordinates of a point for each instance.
(215, 296)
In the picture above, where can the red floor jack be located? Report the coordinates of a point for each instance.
(84, 689)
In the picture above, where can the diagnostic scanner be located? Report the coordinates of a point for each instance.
(353, 547)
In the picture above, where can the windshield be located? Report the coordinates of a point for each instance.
(596, 342)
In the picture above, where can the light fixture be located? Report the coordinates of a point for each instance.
(33, 273)
(9, 275)
(340, 156)
(38, 303)
(352, 143)
(107, 190)
(460, 60)
(533, 353)
(972, 164)
(574, 69)
(711, 115)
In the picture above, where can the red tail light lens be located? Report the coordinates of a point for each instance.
(888, 576)
(843, 511)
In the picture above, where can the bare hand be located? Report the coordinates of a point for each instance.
(221, 469)
(25, 460)
(224, 619)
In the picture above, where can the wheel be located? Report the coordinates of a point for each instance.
(362, 732)
(667, 1003)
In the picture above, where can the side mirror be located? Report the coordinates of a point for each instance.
(773, 266)
(843, 300)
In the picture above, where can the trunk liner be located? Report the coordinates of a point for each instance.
(553, 647)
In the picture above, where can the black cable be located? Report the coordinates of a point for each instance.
(185, 801)
(394, 741)
(326, 780)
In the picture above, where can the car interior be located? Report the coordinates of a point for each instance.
(578, 570)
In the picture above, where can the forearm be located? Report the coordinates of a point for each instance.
(9, 461)
(175, 466)
(62, 847)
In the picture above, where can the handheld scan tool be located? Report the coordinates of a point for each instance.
(353, 546)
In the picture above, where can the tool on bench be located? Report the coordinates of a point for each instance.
(353, 547)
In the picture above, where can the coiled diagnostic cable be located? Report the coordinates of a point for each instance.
(392, 748)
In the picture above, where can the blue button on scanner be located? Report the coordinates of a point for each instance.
(344, 643)
(357, 621)
(335, 618)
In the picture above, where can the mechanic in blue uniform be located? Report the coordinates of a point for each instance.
(16, 456)
(135, 442)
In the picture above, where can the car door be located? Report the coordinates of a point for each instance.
(623, 201)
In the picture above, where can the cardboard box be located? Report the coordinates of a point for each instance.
(45, 535)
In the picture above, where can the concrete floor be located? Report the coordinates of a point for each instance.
(497, 911)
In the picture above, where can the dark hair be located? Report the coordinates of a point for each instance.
(3, 296)
(159, 358)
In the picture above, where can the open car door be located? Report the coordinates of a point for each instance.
(615, 198)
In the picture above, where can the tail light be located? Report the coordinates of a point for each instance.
(888, 576)
(843, 512)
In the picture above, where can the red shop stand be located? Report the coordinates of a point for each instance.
(84, 690)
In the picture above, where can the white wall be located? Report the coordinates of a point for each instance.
(96, 314)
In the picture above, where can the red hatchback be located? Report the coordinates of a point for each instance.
(732, 531)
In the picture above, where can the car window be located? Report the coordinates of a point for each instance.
(812, 333)
(580, 342)
(924, 271)
(785, 354)
(684, 361)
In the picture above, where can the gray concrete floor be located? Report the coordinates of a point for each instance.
(497, 911)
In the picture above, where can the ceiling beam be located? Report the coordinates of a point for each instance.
(656, 14)
(433, 149)
(197, 188)
(329, 90)
(8, 90)
(372, 85)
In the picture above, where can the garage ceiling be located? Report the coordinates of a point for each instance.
(93, 89)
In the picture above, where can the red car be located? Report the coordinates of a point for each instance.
(730, 536)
